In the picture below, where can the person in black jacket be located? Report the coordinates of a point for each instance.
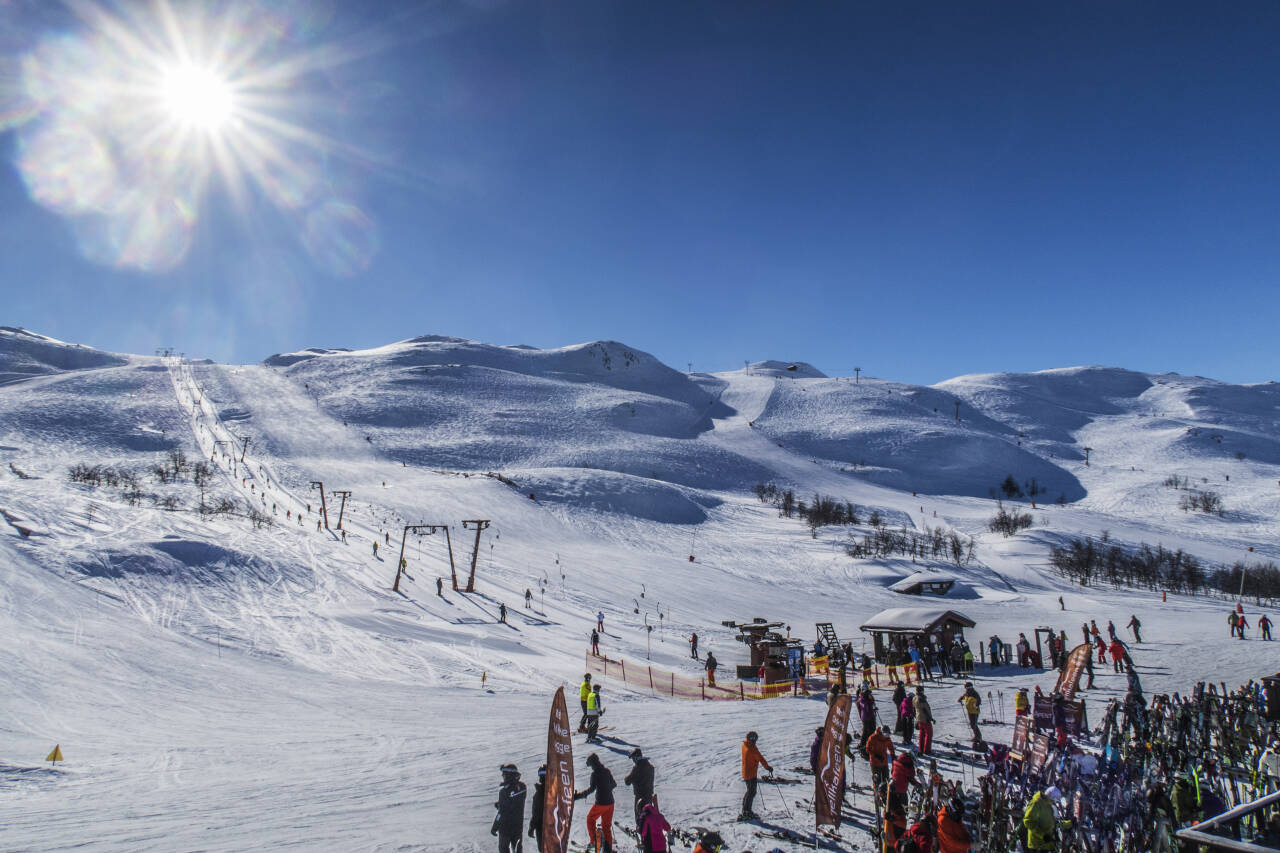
(509, 820)
(602, 785)
(539, 802)
(641, 781)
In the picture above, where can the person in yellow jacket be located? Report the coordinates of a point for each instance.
(583, 692)
(1040, 822)
(972, 706)
(1021, 704)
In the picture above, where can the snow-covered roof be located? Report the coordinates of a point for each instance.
(921, 577)
(920, 619)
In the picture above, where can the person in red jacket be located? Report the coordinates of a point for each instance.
(953, 835)
(901, 778)
(880, 753)
(751, 761)
(1117, 655)
(920, 836)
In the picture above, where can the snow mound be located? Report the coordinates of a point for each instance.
(25, 354)
(792, 369)
(619, 494)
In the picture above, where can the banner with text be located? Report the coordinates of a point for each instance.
(1069, 678)
(557, 808)
(828, 793)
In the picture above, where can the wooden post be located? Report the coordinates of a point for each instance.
(703, 685)
(673, 684)
(651, 678)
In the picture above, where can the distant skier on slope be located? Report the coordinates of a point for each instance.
(509, 820)
(711, 664)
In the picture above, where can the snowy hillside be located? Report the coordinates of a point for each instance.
(241, 677)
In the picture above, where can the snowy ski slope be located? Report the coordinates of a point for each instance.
(217, 686)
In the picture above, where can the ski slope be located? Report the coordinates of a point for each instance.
(219, 686)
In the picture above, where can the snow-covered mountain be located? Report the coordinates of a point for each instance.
(224, 682)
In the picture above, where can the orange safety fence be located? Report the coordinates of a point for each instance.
(667, 683)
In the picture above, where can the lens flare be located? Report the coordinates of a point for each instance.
(196, 97)
(126, 121)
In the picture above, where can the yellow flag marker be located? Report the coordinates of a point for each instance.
(56, 755)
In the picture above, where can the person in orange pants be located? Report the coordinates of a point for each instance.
(601, 813)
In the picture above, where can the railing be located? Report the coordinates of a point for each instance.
(667, 683)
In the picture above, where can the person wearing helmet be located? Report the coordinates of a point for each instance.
(709, 842)
(584, 690)
(751, 761)
(539, 801)
(601, 813)
(953, 835)
(924, 721)
(509, 820)
(973, 707)
(641, 781)
(880, 753)
(1040, 822)
(595, 707)
(653, 830)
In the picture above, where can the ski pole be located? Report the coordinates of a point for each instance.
(782, 797)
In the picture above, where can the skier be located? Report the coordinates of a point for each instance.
(1060, 719)
(924, 721)
(712, 663)
(1117, 655)
(502, 613)
(1061, 606)
(751, 761)
(953, 836)
(1233, 619)
(917, 661)
(1111, 630)
(1021, 704)
(1102, 650)
(641, 781)
(1241, 624)
(439, 586)
(539, 800)
(595, 642)
(599, 620)
(1024, 650)
(973, 706)
(653, 829)
(375, 548)
(601, 813)
(880, 753)
(584, 690)
(1136, 627)
(815, 750)
(1264, 625)
(866, 704)
(902, 777)
(595, 707)
(907, 710)
(509, 820)
(528, 599)
(1088, 669)
(693, 646)
(899, 693)
(1040, 822)
(968, 658)
(994, 645)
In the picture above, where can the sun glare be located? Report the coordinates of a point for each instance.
(196, 98)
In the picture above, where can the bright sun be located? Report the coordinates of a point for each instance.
(197, 98)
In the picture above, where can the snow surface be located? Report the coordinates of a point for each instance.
(220, 687)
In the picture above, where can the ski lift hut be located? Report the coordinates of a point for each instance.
(891, 629)
(769, 649)
(919, 583)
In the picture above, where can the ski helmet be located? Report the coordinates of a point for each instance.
(752, 736)
(586, 676)
(509, 770)
(593, 759)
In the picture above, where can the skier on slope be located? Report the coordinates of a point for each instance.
(509, 820)
(1264, 625)
(641, 781)
(1136, 627)
(901, 778)
(711, 664)
(907, 710)
(880, 753)
(600, 817)
(584, 690)
(866, 704)
(595, 642)
(1117, 656)
(693, 646)
(1241, 624)
(924, 721)
(972, 702)
(751, 761)
(595, 707)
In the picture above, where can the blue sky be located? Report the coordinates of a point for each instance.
(919, 189)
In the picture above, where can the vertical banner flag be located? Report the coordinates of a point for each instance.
(557, 808)
(1069, 678)
(828, 794)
